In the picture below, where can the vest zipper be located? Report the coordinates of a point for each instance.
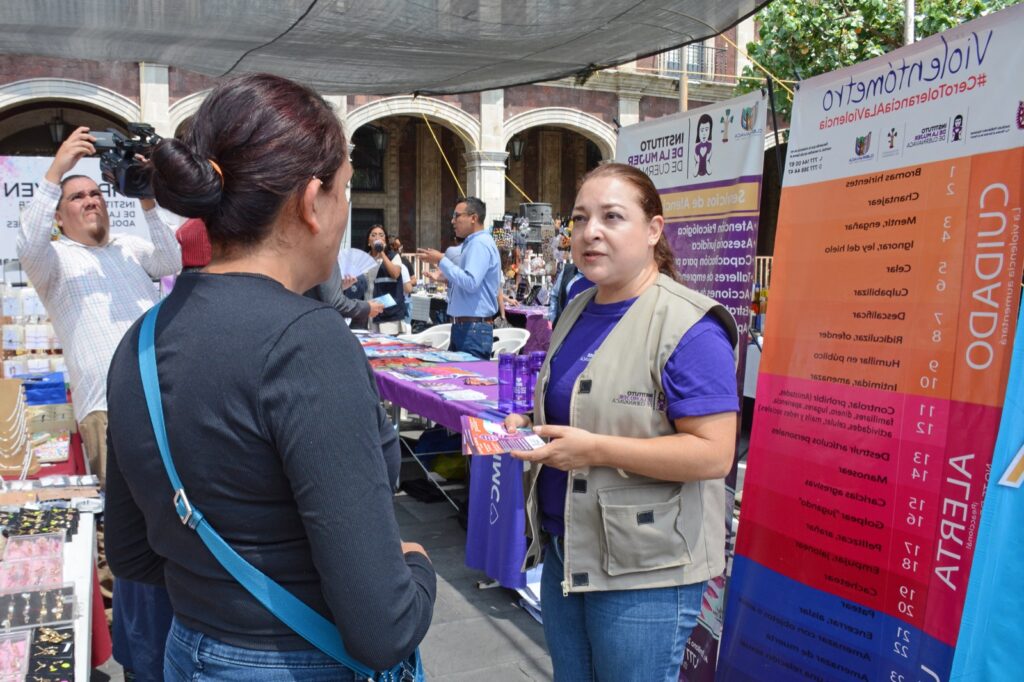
(568, 497)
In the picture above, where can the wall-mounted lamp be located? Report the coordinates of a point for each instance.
(57, 126)
(380, 139)
(517, 148)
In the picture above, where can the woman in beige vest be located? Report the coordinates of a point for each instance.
(638, 396)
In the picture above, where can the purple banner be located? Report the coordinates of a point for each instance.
(496, 535)
(716, 258)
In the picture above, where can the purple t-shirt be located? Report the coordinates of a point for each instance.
(699, 379)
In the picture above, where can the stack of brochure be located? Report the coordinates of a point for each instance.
(482, 437)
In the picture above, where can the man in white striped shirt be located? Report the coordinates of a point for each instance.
(94, 284)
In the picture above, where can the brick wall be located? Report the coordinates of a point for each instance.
(182, 83)
(730, 57)
(647, 63)
(656, 107)
(121, 77)
(603, 105)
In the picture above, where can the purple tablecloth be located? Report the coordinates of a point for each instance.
(413, 396)
(496, 532)
(535, 321)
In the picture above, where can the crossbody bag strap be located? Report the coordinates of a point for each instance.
(313, 627)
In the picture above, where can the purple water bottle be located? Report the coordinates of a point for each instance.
(506, 381)
(536, 362)
(521, 390)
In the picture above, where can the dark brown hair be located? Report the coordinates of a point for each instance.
(474, 206)
(268, 136)
(650, 204)
(387, 237)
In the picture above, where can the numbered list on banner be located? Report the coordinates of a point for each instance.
(895, 292)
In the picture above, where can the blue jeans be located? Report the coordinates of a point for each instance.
(615, 636)
(475, 338)
(194, 657)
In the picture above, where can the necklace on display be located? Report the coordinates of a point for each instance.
(15, 446)
(18, 429)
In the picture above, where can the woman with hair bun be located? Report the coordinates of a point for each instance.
(272, 414)
(638, 396)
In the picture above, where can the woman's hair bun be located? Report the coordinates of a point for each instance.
(184, 182)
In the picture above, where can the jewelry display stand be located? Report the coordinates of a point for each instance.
(16, 458)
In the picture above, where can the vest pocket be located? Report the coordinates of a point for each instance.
(641, 527)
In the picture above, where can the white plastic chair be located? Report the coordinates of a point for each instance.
(431, 336)
(512, 333)
(506, 346)
(438, 340)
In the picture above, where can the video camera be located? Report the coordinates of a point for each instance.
(118, 164)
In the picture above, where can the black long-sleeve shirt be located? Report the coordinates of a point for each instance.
(278, 436)
(331, 293)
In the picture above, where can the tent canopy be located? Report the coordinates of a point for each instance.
(368, 46)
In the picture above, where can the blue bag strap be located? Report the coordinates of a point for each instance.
(313, 627)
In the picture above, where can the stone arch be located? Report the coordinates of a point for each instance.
(63, 89)
(587, 125)
(463, 124)
(185, 107)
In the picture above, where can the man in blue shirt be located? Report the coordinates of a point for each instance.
(473, 283)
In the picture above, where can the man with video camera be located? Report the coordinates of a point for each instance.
(94, 284)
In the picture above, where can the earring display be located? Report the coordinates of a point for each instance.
(41, 521)
(52, 655)
(31, 574)
(34, 546)
(41, 607)
(13, 655)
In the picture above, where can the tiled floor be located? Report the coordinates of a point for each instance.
(477, 634)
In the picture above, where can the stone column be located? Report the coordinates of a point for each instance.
(155, 97)
(745, 33)
(629, 109)
(492, 120)
(340, 104)
(485, 172)
(485, 167)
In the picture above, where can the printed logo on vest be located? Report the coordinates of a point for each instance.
(642, 399)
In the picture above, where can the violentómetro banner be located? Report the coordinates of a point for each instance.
(895, 291)
(707, 165)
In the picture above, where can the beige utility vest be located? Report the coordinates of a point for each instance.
(624, 530)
